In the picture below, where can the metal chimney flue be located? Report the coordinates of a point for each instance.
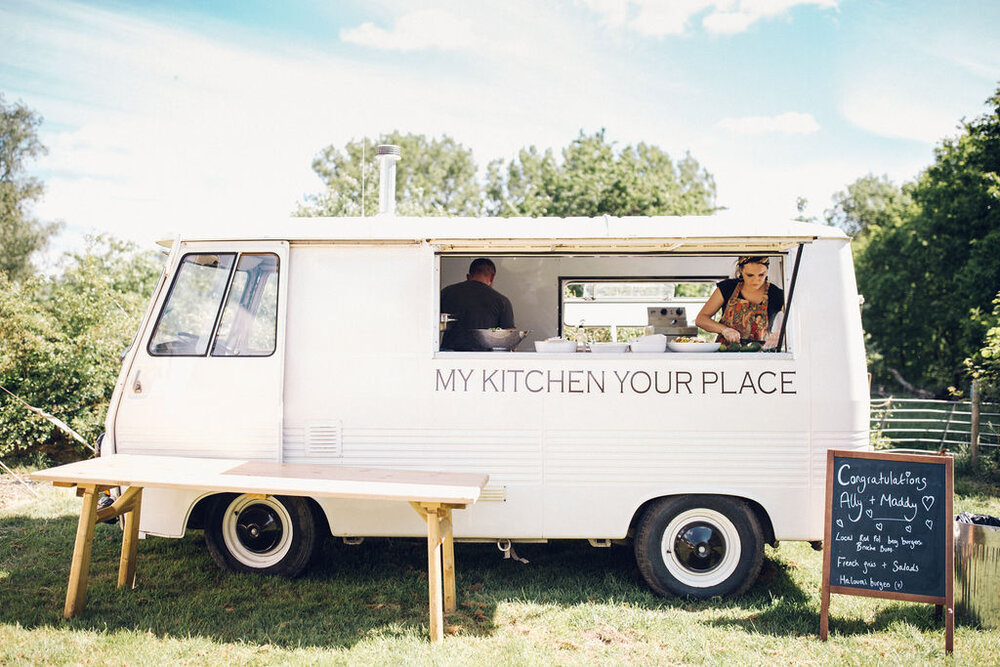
(387, 154)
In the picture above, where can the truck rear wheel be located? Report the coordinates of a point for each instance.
(273, 535)
(699, 546)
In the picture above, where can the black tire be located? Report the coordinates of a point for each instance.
(275, 535)
(699, 546)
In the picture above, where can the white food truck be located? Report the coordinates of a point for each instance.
(318, 342)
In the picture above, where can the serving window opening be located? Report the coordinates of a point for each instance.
(596, 298)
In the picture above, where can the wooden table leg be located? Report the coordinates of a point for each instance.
(79, 572)
(440, 563)
(434, 574)
(448, 562)
(130, 541)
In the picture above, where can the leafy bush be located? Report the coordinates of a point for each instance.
(61, 340)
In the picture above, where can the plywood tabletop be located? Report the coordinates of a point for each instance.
(240, 475)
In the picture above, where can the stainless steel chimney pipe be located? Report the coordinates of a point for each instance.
(387, 154)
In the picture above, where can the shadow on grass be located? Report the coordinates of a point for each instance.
(376, 589)
(776, 606)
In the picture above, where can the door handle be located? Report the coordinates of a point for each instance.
(137, 383)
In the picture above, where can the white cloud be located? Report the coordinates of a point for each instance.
(900, 113)
(658, 18)
(786, 123)
(154, 129)
(424, 29)
(182, 128)
(612, 12)
(734, 16)
(729, 23)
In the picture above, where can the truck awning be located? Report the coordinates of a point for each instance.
(722, 233)
(741, 245)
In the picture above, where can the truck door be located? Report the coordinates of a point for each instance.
(206, 379)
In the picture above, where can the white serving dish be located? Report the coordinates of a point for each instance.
(605, 348)
(693, 347)
(561, 346)
(653, 343)
(640, 346)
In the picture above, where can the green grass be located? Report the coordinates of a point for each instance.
(572, 604)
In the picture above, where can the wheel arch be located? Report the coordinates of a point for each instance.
(763, 518)
(198, 512)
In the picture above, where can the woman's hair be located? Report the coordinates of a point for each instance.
(743, 260)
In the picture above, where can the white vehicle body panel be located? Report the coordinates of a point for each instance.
(574, 444)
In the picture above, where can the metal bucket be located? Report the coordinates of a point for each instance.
(977, 574)
(498, 339)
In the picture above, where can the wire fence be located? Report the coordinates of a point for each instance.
(933, 424)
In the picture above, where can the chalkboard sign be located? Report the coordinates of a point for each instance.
(889, 529)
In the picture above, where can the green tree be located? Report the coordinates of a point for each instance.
(871, 202)
(434, 177)
(801, 206)
(591, 177)
(61, 339)
(21, 235)
(929, 279)
(871, 206)
(594, 178)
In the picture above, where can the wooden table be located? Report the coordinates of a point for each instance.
(432, 494)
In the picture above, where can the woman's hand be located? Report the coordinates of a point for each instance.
(771, 341)
(731, 335)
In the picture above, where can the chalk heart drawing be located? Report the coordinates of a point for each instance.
(927, 501)
(908, 528)
(898, 585)
(878, 526)
(840, 523)
(869, 513)
(930, 524)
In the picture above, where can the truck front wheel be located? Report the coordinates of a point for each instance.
(273, 535)
(699, 546)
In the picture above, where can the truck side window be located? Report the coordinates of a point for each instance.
(189, 313)
(250, 318)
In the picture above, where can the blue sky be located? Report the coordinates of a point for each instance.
(163, 115)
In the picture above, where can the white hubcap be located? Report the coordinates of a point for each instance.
(257, 532)
(701, 548)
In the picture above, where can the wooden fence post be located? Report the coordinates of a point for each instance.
(885, 415)
(947, 425)
(974, 426)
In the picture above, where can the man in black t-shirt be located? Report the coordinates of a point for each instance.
(475, 305)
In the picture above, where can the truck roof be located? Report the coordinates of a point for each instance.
(722, 232)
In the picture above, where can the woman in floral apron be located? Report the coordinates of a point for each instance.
(749, 304)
